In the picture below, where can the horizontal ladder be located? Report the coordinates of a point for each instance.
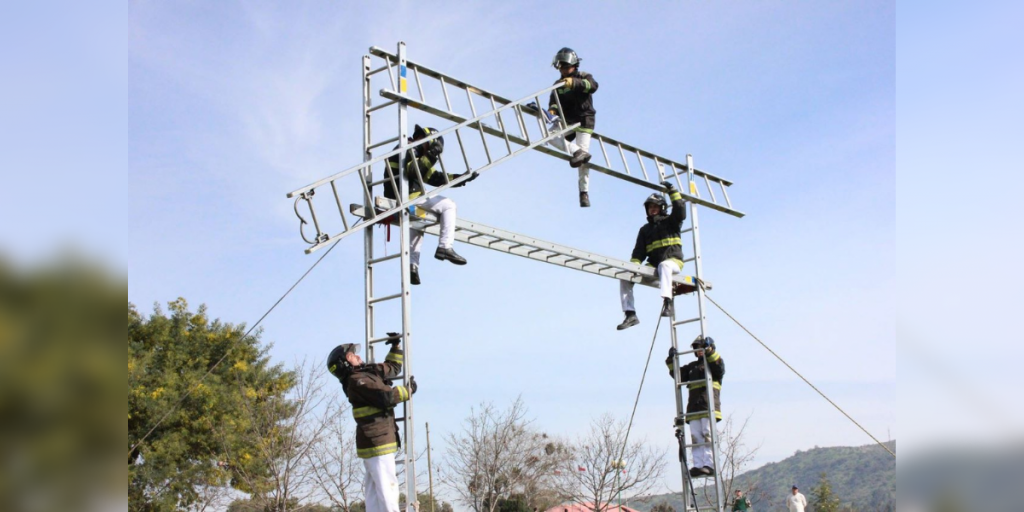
(481, 235)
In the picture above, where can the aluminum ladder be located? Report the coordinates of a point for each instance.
(716, 500)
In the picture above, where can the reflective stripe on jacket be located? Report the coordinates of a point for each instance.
(660, 238)
(373, 402)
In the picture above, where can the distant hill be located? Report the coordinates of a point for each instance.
(863, 477)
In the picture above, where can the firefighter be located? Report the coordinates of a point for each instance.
(373, 400)
(423, 158)
(577, 99)
(697, 402)
(660, 243)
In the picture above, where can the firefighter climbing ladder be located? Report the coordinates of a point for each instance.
(401, 75)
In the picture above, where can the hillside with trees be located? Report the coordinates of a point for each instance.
(861, 478)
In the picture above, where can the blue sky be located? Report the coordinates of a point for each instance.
(221, 108)
(234, 104)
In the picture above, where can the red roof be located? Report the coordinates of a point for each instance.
(589, 507)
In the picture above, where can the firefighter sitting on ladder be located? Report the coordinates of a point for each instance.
(424, 157)
(578, 101)
(660, 243)
(373, 401)
(697, 401)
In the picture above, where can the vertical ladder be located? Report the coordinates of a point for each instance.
(718, 500)
(408, 460)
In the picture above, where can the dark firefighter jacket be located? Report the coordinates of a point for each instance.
(426, 164)
(697, 402)
(373, 401)
(659, 239)
(578, 101)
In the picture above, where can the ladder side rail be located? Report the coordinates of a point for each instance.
(409, 444)
(368, 238)
(680, 415)
(564, 156)
(702, 313)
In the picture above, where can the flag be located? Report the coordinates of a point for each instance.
(581, 468)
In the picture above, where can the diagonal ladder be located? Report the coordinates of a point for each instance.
(307, 193)
(662, 168)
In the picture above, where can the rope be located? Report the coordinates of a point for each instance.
(226, 352)
(815, 388)
(622, 452)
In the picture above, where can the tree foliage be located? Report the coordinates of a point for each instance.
(823, 499)
(173, 370)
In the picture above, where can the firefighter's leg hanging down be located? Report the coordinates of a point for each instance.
(666, 269)
(445, 209)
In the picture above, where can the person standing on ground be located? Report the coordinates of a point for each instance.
(796, 502)
(741, 502)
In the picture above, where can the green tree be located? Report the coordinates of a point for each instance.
(822, 497)
(173, 369)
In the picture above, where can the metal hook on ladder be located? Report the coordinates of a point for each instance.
(321, 237)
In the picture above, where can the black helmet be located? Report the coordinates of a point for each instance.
(337, 363)
(658, 199)
(435, 146)
(701, 343)
(567, 56)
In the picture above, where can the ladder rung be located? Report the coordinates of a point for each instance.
(385, 338)
(681, 322)
(701, 381)
(374, 261)
(689, 259)
(400, 418)
(375, 300)
(386, 104)
(382, 143)
(695, 445)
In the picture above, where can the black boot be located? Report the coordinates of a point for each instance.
(696, 473)
(450, 255)
(584, 200)
(414, 274)
(666, 308)
(579, 158)
(630, 321)
(708, 470)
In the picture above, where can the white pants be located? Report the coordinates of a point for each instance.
(380, 487)
(443, 208)
(700, 432)
(665, 271)
(582, 142)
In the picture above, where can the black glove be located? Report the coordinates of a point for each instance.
(412, 385)
(396, 339)
(462, 184)
(668, 185)
(672, 352)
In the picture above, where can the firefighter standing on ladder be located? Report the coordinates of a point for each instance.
(577, 100)
(697, 402)
(373, 401)
(423, 158)
(660, 243)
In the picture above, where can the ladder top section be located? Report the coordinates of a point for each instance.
(666, 168)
